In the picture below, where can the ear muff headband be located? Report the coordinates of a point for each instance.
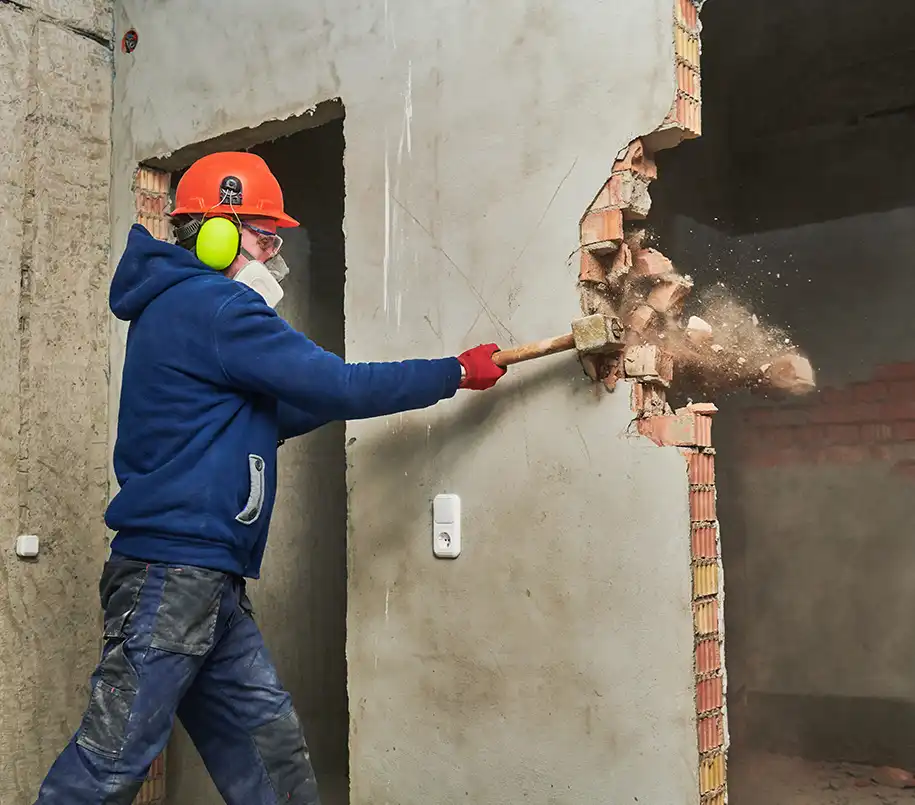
(218, 243)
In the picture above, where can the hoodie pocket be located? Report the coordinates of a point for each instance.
(252, 510)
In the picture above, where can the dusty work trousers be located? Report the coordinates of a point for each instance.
(182, 640)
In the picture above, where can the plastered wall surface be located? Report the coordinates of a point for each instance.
(55, 103)
(553, 660)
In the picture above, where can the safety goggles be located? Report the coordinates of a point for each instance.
(270, 242)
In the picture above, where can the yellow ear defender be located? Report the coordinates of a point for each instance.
(218, 243)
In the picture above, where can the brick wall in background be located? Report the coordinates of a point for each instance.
(867, 421)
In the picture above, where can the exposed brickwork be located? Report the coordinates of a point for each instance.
(619, 276)
(708, 617)
(685, 119)
(864, 422)
(151, 189)
(153, 790)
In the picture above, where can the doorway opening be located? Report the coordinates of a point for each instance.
(300, 600)
(800, 198)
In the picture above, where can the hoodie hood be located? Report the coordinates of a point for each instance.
(148, 268)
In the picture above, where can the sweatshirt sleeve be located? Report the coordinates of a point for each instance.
(259, 352)
(296, 421)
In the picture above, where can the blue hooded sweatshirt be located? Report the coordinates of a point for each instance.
(213, 380)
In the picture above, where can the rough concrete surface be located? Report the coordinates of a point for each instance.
(55, 103)
(552, 661)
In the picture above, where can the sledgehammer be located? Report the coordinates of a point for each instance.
(590, 335)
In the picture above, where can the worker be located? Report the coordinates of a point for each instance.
(214, 380)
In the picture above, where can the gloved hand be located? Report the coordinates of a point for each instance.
(480, 372)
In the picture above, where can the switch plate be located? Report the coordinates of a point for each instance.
(446, 526)
(27, 546)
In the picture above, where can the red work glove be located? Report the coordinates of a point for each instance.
(479, 370)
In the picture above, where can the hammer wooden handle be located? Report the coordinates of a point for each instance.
(537, 349)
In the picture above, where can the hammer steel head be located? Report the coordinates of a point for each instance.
(597, 333)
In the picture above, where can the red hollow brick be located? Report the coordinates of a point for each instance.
(602, 228)
(651, 263)
(705, 542)
(681, 430)
(702, 505)
(709, 695)
(650, 362)
(708, 656)
(705, 617)
(591, 269)
(711, 732)
(636, 158)
(668, 296)
(701, 468)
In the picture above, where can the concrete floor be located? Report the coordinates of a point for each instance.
(761, 779)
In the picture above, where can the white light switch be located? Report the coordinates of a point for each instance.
(446, 526)
(27, 546)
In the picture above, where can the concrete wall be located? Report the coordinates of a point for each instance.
(55, 103)
(553, 660)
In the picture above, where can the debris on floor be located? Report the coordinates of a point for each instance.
(765, 779)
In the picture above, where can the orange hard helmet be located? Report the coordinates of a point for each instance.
(231, 183)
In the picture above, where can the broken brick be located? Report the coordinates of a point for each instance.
(791, 373)
(591, 269)
(639, 202)
(683, 429)
(641, 319)
(894, 778)
(602, 230)
(648, 398)
(651, 263)
(621, 266)
(668, 296)
(649, 362)
(636, 158)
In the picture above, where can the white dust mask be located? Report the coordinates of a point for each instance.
(277, 267)
(260, 278)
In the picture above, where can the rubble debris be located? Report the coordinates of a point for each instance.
(622, 275)
(894, 778)
(651, 263)
(669, 294)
